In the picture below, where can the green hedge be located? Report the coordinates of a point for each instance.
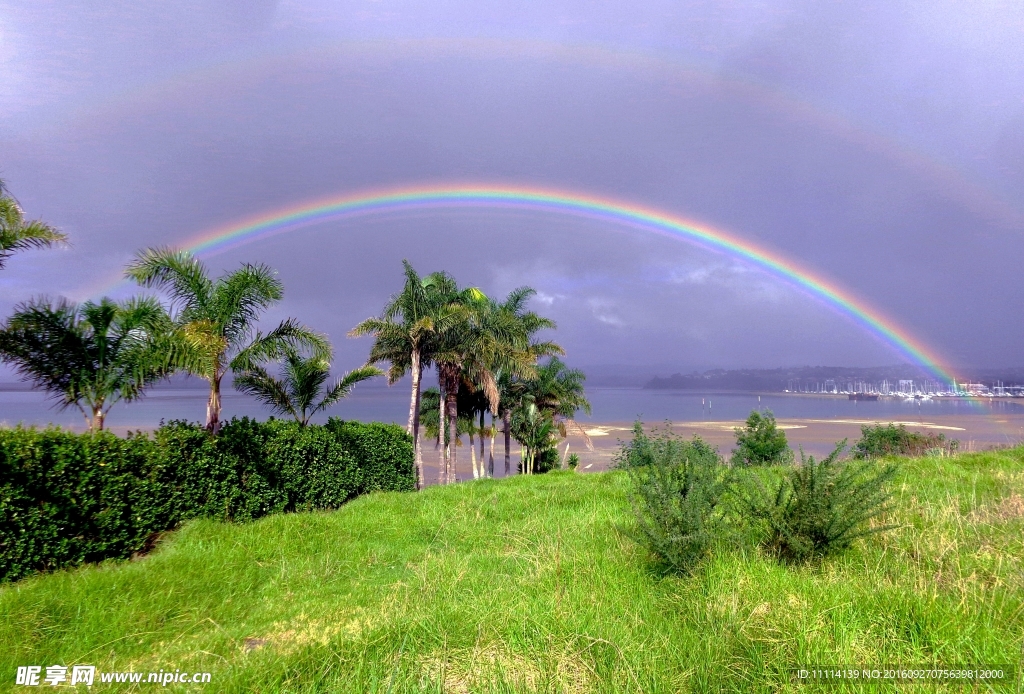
(69, 498)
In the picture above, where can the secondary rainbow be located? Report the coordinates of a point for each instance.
(555, 201)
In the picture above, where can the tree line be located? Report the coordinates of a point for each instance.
(487, 354)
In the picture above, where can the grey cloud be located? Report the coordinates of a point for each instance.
(161, 164)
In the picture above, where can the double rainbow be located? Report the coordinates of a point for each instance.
(546, 200)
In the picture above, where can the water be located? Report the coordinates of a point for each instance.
(379, 403)
(629, 404)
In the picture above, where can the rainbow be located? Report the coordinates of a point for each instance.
(546, 200)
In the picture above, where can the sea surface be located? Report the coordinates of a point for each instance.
(379, 403)
(629, 404)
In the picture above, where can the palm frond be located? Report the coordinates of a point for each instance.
(179, 273)
(273, 392)
(289, 334)
(345, 384)
(16, 234)
(240, 297)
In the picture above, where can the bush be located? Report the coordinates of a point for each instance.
(642, 450)
(573, 461)
(68, 498)
(384, 451)
(761, 442)
(879, 441)
(821, 507)
(546, 460)
(676, 495)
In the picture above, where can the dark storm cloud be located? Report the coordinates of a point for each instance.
(293, 124)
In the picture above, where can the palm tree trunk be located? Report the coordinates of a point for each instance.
(490, 453)
(97, 418)
(414, 417)
(442, 445)
(472, 453)
(483, 471)
(453, 433)
(506, 417)
(213, 406)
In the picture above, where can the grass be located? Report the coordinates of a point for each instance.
(526, 585)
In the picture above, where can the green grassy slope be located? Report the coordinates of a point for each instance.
(525, 585)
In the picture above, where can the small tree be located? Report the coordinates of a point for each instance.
(216, 319)
(301, 385)
(89, 356)
(819, 508)
(536, 430)
(761, 442)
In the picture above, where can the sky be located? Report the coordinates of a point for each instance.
(878, 145)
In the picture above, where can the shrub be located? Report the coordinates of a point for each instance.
(573, 461)
(384, 451)
(641, 450)
(676, 496)
(68, 498)
(546, 460)
(819, 508)
(761, 442)
(878, 441)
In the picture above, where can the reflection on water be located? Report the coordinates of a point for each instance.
(378, 403)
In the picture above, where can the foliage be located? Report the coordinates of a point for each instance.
(573, 461)
(677, 491)
(216, 319)
(301, 385)
(68, 498)
(819, 508)
(384, 452)
(641, 449)
(89, 356)
(17, 234)
(761, 442)
(879, 441)
(542, 409)
(536, 430)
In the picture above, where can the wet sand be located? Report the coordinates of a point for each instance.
(817, 437)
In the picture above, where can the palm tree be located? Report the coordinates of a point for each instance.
(558, 391)
(17, 235)
(473, 403)
(535, 429)
(90, 356)
(406, 336)
(216, 318)
(302, 382)
(510, 385)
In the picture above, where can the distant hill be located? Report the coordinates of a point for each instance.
(782, 379)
